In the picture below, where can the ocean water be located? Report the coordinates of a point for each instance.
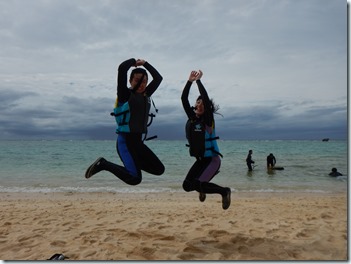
(59, 166)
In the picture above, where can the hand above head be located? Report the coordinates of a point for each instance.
(199, 75)
(195, 75)
(139, 62)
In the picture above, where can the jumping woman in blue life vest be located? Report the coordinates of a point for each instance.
(201, 135)
(132, 113)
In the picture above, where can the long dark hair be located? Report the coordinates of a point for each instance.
(213, 107)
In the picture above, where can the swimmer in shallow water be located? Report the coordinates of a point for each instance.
(335, 173)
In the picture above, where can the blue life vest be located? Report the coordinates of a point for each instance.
(133, 115)
(201, 142)
(122, 115)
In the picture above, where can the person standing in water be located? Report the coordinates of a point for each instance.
(249, 160)
(200, 132)
(271, 161)
(131, 111)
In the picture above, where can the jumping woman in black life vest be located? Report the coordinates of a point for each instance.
(132, 112)
(200, 132)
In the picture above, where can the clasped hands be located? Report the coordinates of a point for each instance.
(195, 75)
(139, 62)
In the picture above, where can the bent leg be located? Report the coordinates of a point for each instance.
(206, 169)
(149, 162)
(190, 182)
(211, 169)
(130, 173)
(209, 187)
(102, 164)
(126, 148)
(199, 176)
(121, 173)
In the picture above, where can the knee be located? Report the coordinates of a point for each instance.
(188, 186)
(160, 170)
(134, 181)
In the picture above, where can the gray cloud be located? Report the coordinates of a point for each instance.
(276, 68)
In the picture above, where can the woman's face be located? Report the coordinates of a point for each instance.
(199, 108)
(134, 82)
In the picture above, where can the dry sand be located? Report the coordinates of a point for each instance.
(173, 226)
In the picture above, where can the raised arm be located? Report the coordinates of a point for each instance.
(208, 114)
(185, 101)
(156, 79)
(122, 79)
(185, 95)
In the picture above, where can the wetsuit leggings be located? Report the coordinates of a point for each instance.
(249, 166)
(200, 175)
(136, 156)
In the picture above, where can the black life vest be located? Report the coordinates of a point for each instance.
(202, 143)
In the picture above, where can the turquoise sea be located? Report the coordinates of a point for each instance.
(59, 166)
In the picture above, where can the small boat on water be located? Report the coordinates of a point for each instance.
(325, 139)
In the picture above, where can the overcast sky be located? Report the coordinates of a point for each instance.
(277, 68)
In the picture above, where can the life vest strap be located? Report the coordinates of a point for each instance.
(215, 151)
(120, 113)
(150, 138)
(152, 118)
(124, 113)
(212, 149)
(211, 139)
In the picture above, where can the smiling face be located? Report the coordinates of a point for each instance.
(136, 79)
(199, 108)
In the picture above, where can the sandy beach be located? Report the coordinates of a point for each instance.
(173, 226)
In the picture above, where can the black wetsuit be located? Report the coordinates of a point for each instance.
(135, 155)
(204, 168)
(335, 174)
(249, 161)
(271, 161)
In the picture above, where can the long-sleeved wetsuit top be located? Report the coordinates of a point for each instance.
(140, 105)
(208, 115)
(271, 160)
(206, 166)
(123, 92)
(249, 159)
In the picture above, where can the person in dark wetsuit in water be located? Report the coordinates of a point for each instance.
(249, 160)
(271, 161)
(334, 172)
(132, 111)
(200, 132)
